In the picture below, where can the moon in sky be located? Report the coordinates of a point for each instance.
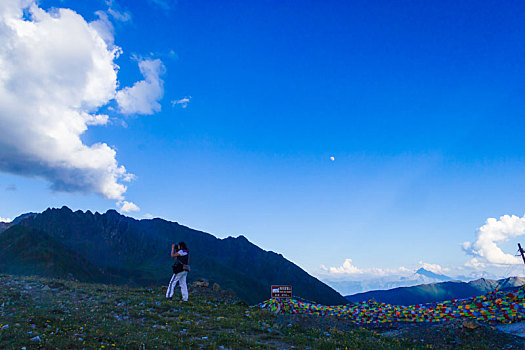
(332, 158)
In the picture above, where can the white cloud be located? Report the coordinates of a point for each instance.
(148, 216)
(485, 248)
(433, 268)
(143, 96)
(56, 71)
(99, 119)
(119, 15)
(347, 269)
(475, 263)
(5, 219)
(164, 4)
(127, 207)
(403, 269)
(104, 27)
(183, 102)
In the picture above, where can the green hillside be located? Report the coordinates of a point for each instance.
(48, 313)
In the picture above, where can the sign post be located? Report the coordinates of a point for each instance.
(281, 291)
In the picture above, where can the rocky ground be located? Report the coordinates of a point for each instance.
(50, 314)
(462, 333)
(513, 328)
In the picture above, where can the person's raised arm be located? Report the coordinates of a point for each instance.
(173, 254)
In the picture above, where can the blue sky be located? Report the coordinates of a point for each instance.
(420, 103)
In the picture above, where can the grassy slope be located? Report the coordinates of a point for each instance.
(64, 314)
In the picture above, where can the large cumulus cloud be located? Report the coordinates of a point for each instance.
(56, 71)
(485, 249)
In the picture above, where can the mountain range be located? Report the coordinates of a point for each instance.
(112, 248)
(436, 292)
(421, 276)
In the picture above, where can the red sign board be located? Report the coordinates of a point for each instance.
(281, 291)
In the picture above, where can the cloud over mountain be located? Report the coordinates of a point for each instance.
(127, 207)
(349, 270)
(349, 279)
(56, 71)
(435, 268)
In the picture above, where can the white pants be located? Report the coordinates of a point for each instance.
(181, 278)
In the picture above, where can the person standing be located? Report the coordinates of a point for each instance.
(180, 270)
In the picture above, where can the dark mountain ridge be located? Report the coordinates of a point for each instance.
(121, 250)
(5, 225)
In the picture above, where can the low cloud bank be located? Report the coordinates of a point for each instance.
(487, 258)
(348, 271)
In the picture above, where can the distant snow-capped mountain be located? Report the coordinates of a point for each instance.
(421, 276)
(432, 275)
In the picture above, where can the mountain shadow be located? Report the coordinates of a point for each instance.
(27, 251)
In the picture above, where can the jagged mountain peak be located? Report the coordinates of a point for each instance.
(136, 252)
